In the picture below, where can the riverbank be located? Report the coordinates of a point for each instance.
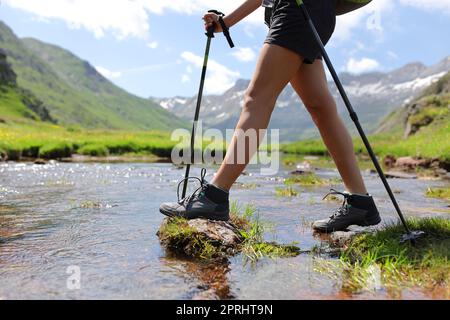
(45, 141)
(425, 150)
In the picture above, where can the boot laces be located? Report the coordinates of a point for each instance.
(194, 195)
(344, 209)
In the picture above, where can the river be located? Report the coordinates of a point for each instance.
(88, 231)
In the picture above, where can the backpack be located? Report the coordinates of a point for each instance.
(346, 6)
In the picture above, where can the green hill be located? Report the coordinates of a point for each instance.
(17, 104)
(73, 92)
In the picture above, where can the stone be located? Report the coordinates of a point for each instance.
(40, 162)
(399, 175)
(411, 163)
(343, 238)
(195, 237)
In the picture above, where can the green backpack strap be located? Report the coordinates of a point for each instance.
(345, 6)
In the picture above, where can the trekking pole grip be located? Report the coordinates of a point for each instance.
(225, 29)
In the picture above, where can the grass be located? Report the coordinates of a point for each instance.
(43, 140)
(286, 192)
(439, 193)
(309, 179)
(395, 265)
(178, 236)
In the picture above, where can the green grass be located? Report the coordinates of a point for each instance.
(425, 265)
(430, 142)
(39, 139)
(309, 180)
(179, 237)
(439, 193)
(286, 192)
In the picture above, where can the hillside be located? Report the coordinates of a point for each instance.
(74, 93)
(374, 95)
(17, 104)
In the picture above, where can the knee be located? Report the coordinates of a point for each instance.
(257, 100)
(321, 110)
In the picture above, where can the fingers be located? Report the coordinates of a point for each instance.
(210, 19)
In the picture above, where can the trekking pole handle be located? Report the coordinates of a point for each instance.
(225, 29)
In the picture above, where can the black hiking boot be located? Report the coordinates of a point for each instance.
(356, 210)
(207, 202)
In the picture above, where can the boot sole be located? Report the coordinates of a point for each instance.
(368, 223)
(171, 215)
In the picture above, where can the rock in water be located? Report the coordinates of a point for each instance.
(200, 238)
(343, 238)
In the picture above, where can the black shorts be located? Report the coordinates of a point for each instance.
(289, 29)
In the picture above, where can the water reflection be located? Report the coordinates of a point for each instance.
(211, 277)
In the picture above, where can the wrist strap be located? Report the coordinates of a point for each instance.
(225, 29)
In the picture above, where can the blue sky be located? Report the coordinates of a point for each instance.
(154, 47)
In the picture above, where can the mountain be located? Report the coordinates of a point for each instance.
(75, 93)
(430, 109)
(17, 103)
(374, 95)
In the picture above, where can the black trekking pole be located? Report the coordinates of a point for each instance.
(410, 235)
(210, 35)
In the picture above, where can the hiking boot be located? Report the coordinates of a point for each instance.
(207, 202)
(356, 210)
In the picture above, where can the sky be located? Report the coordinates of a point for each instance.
(154, 48)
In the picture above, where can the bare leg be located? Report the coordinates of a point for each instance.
(311, 85)
(276, 67)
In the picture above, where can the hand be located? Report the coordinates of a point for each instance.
(212, 19)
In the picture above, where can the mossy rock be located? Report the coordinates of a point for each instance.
(206, 239)
(200, 238)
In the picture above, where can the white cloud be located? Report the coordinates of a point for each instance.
(185, 78)
(108, 73)
(122, 18)
(244, 54)
(439, 5)
(219, 78)
(153, 45)
(362, 65)
(368, 17)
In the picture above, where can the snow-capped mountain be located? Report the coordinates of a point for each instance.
(374, 95)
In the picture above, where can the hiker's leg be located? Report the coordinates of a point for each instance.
(275, 67)
(310, 83)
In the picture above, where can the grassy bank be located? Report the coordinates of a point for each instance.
(43, 140)
(395, 265)
(430, 145)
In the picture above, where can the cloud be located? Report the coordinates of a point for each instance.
(122, 18)
(368, 17)
(108, 73)
(362, 65)
(153, 45)
(219, 78)
(244, 54)
(429, 5)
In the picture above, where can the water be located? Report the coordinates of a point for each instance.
(102, 219)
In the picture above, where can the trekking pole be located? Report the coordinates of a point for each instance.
(410, 235)
(209, 35)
